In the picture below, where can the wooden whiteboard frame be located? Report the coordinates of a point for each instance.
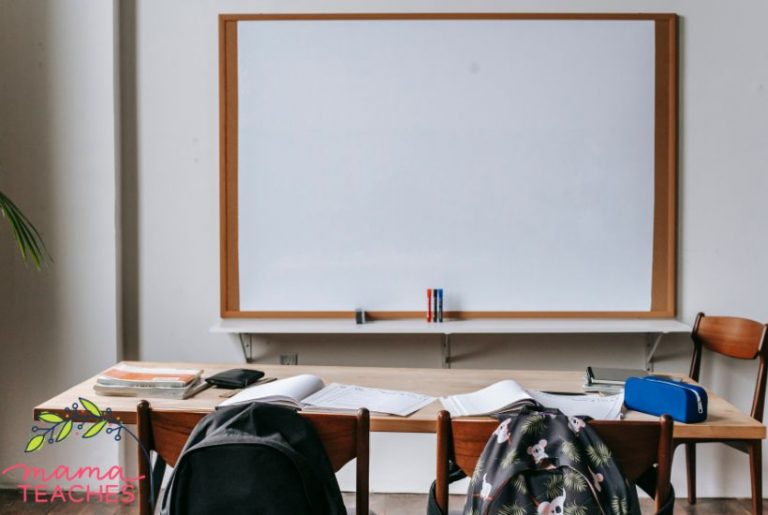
(664, 273)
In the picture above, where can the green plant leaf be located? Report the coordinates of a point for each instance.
(64, 431)
(574, 481)
(509, 459)
(575, 509)
(512, 509)
(534, 424)
(619, 506)
(519, 485)
(599, 454)
(571, 451)
(35, 443)
(28, 239)
(50, 417)
(95, 429)
(91, 407)
(554, 485)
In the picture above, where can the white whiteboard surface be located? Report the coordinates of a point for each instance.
(510, 162)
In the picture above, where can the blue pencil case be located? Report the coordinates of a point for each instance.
(658, 395)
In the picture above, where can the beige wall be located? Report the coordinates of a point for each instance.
(54, 139)
(57, 160)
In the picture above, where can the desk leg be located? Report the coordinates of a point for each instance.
(446, 351)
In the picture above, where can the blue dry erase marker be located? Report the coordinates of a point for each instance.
(440, 305)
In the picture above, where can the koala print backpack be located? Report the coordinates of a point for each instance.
(544, 463)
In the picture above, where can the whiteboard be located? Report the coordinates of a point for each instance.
(509, 162)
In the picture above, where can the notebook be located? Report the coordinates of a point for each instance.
(614, 376)
(308, 392)
(508, 396)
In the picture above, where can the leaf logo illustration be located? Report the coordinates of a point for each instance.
(91, 407)
(95, 429)
(50, 417)
(65, 430)
(95, 421)
(35, 443)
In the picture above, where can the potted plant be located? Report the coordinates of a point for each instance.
(28, 239)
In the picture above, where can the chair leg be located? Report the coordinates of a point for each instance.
(158, 472)
(690, 466)
(756, 474)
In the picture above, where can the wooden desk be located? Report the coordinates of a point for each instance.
(724, 421)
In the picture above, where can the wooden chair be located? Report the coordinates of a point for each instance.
(637, 446)
(739, 338)
(164, 433)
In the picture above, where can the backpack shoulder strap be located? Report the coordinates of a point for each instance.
(454, 474)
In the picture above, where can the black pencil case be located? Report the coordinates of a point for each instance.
(235, 378)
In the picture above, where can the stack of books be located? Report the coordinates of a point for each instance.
(165, 383)
(609, 380)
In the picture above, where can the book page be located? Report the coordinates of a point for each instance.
(288, 391)
(350, 397)
(596, 406)
(491, 399)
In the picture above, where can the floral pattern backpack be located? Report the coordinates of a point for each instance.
(545, 463)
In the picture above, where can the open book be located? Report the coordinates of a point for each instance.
(309, 393)
(508, 396)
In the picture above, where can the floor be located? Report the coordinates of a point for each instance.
(381, 504)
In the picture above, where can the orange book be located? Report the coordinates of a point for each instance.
(129, 375)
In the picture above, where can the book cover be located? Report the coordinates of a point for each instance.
(129, 375)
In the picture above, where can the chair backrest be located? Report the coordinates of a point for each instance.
(636, 445)
(344, 437)
(734, 337)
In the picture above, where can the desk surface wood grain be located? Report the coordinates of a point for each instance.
(724, 420)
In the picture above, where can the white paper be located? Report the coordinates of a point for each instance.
(489, 400)
(288, 391)
(350, 397)
(596, 406)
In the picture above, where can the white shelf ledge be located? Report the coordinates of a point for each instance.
(474, 326)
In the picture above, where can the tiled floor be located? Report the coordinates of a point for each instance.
(381, 504)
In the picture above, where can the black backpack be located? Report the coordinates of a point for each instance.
(545, 463)
(253, 459)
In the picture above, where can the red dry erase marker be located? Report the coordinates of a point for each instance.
(429, 304)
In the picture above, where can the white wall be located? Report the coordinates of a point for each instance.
(58, 156)
(723, 122)
(57, 160)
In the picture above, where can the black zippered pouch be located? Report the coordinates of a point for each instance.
(235, 378)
